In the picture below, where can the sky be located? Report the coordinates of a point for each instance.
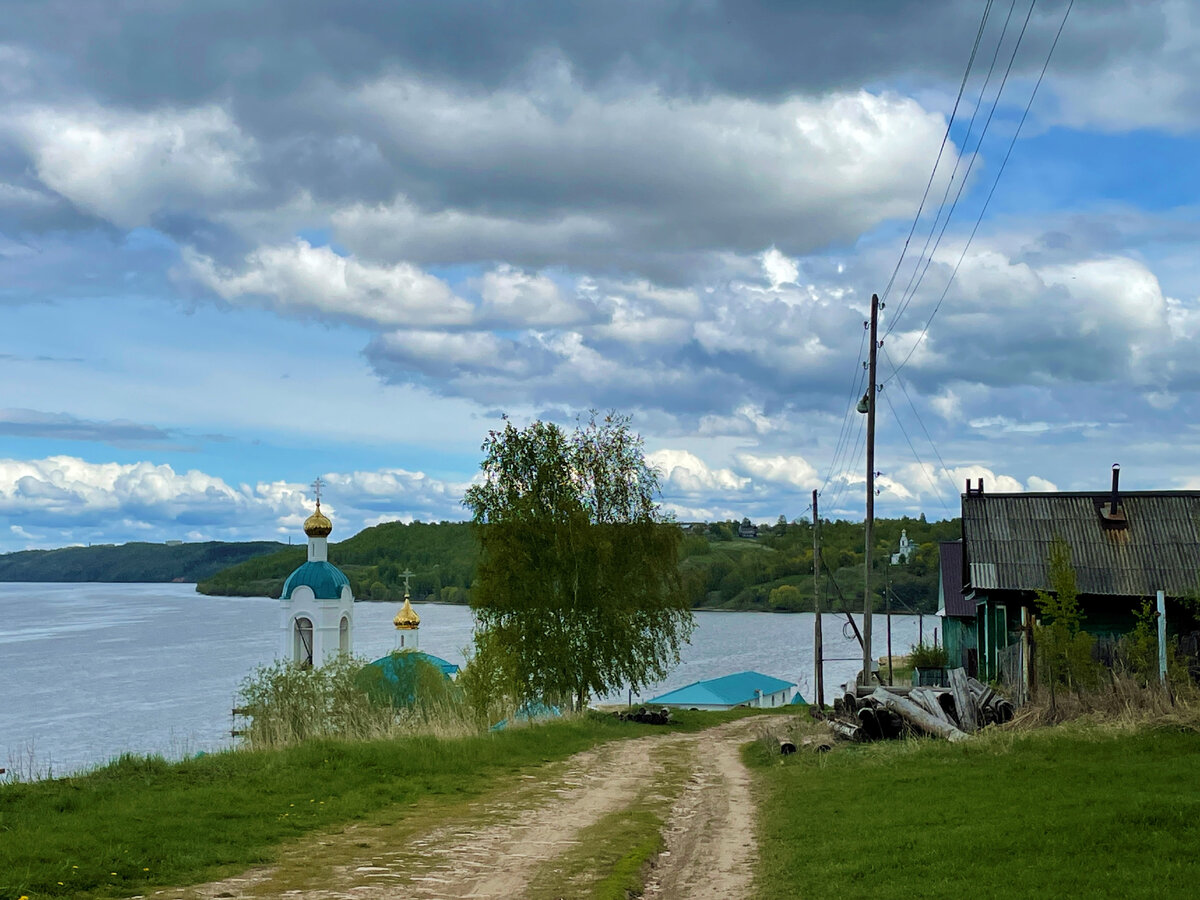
(244, 244)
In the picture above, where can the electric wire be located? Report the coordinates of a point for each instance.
(916, 456)
(988, 200)
(927, 253)
(844, 431)
(945, 139)
(921, 422)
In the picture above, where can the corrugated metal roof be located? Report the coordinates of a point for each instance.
(1008, 538)
(728, 690)
(951, 572)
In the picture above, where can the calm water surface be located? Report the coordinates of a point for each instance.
(88, 671)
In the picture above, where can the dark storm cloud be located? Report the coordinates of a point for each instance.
(141, 53)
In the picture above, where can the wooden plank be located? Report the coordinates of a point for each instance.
(964, 701)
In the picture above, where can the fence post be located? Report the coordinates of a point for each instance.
(1162, 638)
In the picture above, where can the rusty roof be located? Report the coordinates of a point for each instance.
(951, 573)
(1008, 536)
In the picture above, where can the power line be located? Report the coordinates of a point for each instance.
(920, 421)
(945, 139)
(988, 200)
(916, 456)
(927, 253)
(844, 431)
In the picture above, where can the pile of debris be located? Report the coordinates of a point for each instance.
(646, 716)
(868, 713)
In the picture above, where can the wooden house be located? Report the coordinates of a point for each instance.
(1125, 547)
(956, 611)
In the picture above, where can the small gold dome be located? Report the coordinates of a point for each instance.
(407, 619)
(317, 525)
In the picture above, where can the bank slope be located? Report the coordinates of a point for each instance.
(133, 562)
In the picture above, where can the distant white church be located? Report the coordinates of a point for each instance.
(907, 548)
(317, 604)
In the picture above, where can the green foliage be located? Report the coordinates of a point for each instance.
(441, 555)
(927, 656)
(1065, 648)
(578, 584)
(132, 562)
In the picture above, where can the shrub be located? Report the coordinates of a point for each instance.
(928, 656)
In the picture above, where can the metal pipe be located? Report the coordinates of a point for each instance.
(1116, 496)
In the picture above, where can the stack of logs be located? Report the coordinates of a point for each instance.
(873, 713)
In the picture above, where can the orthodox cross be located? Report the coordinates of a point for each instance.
(316, 486)
(406, 575)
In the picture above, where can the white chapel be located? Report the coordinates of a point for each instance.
(317, 604)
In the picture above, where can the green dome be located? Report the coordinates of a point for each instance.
(325, 579)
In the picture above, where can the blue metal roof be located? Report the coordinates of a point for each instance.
(728, 690)
(325, 579)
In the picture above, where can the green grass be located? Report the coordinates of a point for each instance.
(142, 822)
(1065, 812)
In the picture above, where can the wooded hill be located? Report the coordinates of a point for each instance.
(441, 557)
(133, 562)
(720, 570)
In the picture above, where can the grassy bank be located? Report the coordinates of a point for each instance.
(140, 823)
(1072, 811)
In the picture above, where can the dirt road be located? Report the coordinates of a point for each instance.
(555, 835)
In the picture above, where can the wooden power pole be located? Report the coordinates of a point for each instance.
(818, 650)
(870, 520)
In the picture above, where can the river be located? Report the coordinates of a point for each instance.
(88, 671)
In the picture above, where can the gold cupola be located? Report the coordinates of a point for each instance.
(407, 619)
(318, 525)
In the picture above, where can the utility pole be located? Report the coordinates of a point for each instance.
(870, 520)
(818, 650)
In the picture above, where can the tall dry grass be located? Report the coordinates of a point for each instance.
(346, 699)
(1120, 701)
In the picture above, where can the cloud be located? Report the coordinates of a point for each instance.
(793, 470)
(64, 499)
(299, 278)
(685, 473)
(63, 426)
(126, 167)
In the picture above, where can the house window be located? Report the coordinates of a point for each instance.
(344, 636)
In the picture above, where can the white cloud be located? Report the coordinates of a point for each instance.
(125, 166)
(685, 472)
(63, 499)
(515, 297)
(301, 278)
(793, 470)
(779, 269)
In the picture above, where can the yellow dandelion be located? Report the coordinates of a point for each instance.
(145, 870)
(60, 882)
(23, 897)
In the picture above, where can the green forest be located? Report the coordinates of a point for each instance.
(132, 562)
(773, 572)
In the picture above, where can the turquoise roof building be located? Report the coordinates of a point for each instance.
(317, 603)
(747, 688)
(399, 678)
(324, 579)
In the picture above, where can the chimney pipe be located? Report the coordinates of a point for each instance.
(1116, 496)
